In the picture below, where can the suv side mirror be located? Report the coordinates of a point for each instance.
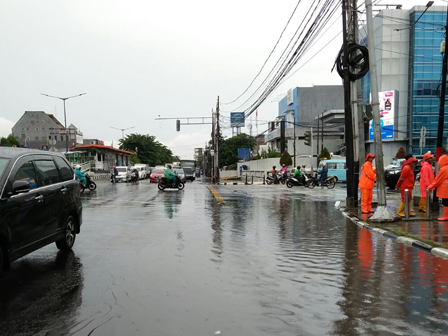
(20, 186)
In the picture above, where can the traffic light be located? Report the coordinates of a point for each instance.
(308, 138)
(178, 125)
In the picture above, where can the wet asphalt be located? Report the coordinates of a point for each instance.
(265, 261)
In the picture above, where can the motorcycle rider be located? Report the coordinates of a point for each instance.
(80, 175)
(170, 176)
(299, 175)
(135, 172)
(283, 170)
(323, 173)
(274, 174)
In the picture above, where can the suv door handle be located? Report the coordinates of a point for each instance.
(39, 198)
(64, 189)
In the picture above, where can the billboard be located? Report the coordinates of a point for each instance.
(237, 119)
(243, 153)
(388, 108)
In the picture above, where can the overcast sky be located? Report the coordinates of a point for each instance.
(141, 59)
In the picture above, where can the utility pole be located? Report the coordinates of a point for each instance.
(217, 143)
(318, 137)
(442, 96)
(213, 146)
(382, 212)
(294, 125)
(311, 148)
(348, 113)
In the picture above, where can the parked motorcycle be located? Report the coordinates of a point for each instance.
(165, 183)
(294, 181)
(89, 184)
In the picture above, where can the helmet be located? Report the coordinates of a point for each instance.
(427, 156)
(169, 166)
(303, 166)
(273, 167)
(283, 165)
(78, 166)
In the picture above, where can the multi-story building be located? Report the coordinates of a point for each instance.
(409, 64)
(37, 129)
(299, 111)
(197, 153)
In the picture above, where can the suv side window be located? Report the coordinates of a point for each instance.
(65, 170)
(47, 172)
(26, 172)
(332, 165)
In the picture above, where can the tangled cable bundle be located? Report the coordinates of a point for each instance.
(358, 61)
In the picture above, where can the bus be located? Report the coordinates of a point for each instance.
(188, 164)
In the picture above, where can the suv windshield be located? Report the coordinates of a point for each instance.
(158, 171)
(121, 170)
(188, 170)
(3, 164)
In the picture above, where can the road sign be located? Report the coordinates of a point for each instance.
(237, 119)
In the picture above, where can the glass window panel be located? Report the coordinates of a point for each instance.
(46, 172)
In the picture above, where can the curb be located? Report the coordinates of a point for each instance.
(437, 251)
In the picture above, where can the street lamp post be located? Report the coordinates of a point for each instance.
(65, 115)
(122, 130)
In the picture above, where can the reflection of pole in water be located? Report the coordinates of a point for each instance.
(217, 229)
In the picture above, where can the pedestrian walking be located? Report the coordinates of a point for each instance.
(406, 181)
(426, 178)
(366, 183)
(441, 183)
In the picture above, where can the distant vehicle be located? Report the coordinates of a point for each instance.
(124, 174)
(393, 171)
(189, 174)
(180, 173)
(337, 168)
(39, 205)
(188, 164)
(156, 175)
(143, 170)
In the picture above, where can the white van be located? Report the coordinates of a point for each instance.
(141, 171)
(124, 174)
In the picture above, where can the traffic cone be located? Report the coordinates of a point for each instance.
(445, 214)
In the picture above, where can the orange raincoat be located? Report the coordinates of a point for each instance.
(407, 179)
(366, 183)
(426, 178)
(441, 180)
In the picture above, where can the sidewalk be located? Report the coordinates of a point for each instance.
(429, 230)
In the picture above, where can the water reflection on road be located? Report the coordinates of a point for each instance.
(263, 262)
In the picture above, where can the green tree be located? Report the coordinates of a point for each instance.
(9, 141)
(286, 159)
(273, 154)
(134, 158)
(228, 148)
(147, 148)
(401, 153)
(324, 154)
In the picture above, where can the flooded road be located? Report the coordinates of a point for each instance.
(265, 261)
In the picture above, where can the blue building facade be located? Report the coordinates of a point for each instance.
(425, 62)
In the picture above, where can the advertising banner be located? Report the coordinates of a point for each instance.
(388, 107)
(237, 119)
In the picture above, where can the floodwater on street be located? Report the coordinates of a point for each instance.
(266, 261)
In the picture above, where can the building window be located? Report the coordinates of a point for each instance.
(23, 136)
(49, 137)
(62, 138)
(44, 139)
(56, 137)
(37, 129)
(32, 122)
(43, 122)
(36, 138)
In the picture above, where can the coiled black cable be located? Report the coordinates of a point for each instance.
(358, 61)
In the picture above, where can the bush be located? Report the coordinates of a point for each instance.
(285, 159)
(324, 154)
(231, 166)
(273, 154)
(401, 153)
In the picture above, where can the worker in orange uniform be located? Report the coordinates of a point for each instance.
(366, 182)
(441, 183)
(406, 181)
(426, 178)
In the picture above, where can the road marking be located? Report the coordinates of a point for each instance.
(215, 193)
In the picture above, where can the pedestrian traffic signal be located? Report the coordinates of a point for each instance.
(178, 125)
(308, 138)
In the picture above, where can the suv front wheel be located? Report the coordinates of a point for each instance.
(66, 243)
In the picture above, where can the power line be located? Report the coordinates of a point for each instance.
(270, 54)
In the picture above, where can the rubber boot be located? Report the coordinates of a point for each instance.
(400, 210)
(422, 205)
(445, 215)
